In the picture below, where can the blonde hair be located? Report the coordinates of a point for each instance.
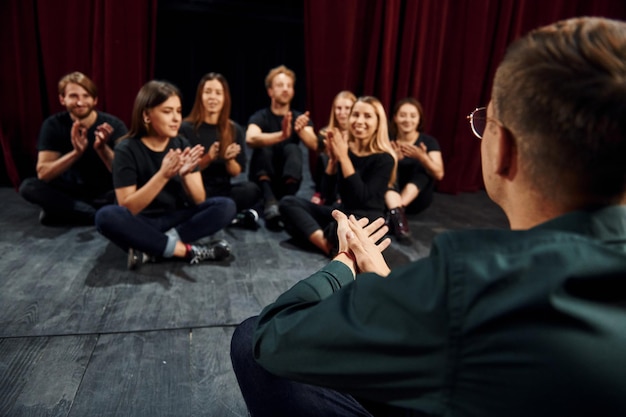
(332, 121)
(379, 142)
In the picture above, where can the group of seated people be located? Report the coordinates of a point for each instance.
(164, 187)
(523, 322)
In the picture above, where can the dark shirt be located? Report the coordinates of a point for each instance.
(491, 323)
(269, 122)
(136, 164)
(411, 170)
(215, 175)
(89, 170)
(362, 193)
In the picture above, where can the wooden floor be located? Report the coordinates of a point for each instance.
(82, 336)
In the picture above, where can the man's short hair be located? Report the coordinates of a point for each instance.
(80, 79)
(281, 69)
(561, 92)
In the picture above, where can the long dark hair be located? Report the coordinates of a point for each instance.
(152, 94)
(225, 126)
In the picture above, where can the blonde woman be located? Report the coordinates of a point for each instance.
(339, 117)
(360, 168)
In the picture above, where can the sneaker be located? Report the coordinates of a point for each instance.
(136, 258)
(273, 221)
(214, 251)
(247, 219)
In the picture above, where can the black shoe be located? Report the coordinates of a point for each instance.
(400, 225)
(44, 218)
(273, 221)
(137, 258)
(47, 219)
(214, 251)
(247, 219)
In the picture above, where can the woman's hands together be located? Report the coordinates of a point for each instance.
(181, 162)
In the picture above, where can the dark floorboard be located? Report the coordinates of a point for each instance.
(80, 335)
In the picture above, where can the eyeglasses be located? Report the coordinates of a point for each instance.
(478, 121)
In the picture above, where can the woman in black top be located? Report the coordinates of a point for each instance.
(162, 206)
(420, 166)
(360, 169)
(209, 125)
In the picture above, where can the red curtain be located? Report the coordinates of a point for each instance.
(112, 42)
(442, 52)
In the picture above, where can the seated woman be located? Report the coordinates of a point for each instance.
(339, 114)
(360, 168)
(162, 208)
(209, 125)
(420, 166)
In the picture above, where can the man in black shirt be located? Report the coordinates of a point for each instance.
(275, 133)
(75, 156)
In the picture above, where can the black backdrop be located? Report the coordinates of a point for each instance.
(240, 39)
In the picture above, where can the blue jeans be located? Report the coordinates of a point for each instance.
(268, 395)
(147, 234)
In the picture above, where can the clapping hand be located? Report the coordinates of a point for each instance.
(189, 159)
(414, 151)
(286, 126)
(79, 137)
(102, 134)
(232, 151)
(301, 121)
(363, 240)
(171, 163)
(337, 144)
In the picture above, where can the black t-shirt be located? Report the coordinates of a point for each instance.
(215, 175)
(269, 122)
(89, 170)
(136, 164)
(362, 193)
(408, 167)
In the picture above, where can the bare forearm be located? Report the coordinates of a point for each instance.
(265, 139)
(49, 170)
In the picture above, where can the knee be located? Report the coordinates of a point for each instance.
(107, 216)
(288, 202)
(241, 342)
(28, 187)
(229, 206)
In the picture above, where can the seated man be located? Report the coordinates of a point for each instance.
(523, 322)
(75, 157)
(275, 133)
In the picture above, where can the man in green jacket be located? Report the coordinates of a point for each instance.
(523, 322)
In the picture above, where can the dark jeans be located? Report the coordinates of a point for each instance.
(68, 203)
(416, 174)
(280, 163)
(245, 194)
(269, 395)
(302, 217)
(147, 234)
